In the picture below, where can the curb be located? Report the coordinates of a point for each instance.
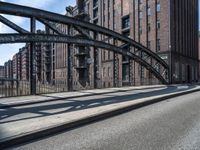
(78, 96)
(42, 133)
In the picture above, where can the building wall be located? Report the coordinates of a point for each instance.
(8, 69)
(43, 59)
(15, 66)
(25, 51)
(2, 72)
(60, 58)
(111, 14)
(167, 27)
(19, 65)
(184, 40)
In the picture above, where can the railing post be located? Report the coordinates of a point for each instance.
(32, 60)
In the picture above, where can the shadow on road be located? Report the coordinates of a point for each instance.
(69, 105)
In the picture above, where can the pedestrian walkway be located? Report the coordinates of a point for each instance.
(21, 100)
(32, 119)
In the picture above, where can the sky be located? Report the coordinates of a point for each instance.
(58, 6)
(8, 50)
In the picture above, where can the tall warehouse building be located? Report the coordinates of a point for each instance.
(167, 27)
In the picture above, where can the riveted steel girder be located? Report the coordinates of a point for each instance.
(49, 19)
(12, 25)
(51, 26)
(17, 38)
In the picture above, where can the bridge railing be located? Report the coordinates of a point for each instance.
(10, 88)
(13, 88)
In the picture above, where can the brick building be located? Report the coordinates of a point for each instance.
(59, 59)
(19, 65)
(43, 60)
(2, 72)
(25, 62)
(8, 69)
(15, 66)
(169, 28)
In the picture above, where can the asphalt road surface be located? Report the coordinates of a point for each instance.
(168, 125)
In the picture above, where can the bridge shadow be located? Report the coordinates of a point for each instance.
(87, 92)
(69, 105)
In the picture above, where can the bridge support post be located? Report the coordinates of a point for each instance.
(69, 65)
(32, 60)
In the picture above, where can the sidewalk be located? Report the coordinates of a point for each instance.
(24, 100)
(24, 123)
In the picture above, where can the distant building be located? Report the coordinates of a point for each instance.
(9, 69)
(60, 58)
(2, 72)
(19, 65)
(43, 60)
(25, 51)
(15, 66)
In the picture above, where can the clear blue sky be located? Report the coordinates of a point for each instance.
(8, 50)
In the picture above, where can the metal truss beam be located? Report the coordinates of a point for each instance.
(12, 9)
(16, 38)
(12, 25)
(51, 26)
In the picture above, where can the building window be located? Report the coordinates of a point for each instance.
(158, 44)
(95, 13)
(104, 55)
(140, 30)
(140, 14)
(104, 72)
(109, 72)
(125, 22)
(125, 72)
(158, 7)
(149, 11)
(115, 26)
(158, 24)
(109, 55)
(95, 3)
(149, 27)
(149, 44)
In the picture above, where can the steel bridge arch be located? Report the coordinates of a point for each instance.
(48, 17)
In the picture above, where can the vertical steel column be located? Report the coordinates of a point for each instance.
(116, 67)
(32, 60)
(69, 63)
(96, 63)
